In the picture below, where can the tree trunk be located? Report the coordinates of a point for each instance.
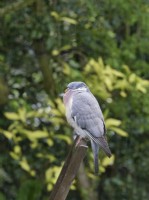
(43, 55)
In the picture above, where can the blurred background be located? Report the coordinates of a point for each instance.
(44, 45)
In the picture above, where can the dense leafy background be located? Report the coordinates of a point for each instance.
(43, 46)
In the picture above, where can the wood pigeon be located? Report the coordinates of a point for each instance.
(83, 113)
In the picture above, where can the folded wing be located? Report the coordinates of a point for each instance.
(87, 114)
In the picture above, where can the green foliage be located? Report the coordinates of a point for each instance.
(46, 44)
(30, 190)
(2, 197)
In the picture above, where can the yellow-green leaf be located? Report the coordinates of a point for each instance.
(66, 47)
(123, 93)
(66, 69)
(108, 83)
(120, 131)
(64, 137)
(69, 20)
(12, 116)
(34, 144)
(108, 161)
(22, 114)
(118, 74)
(132, 78)
(60, 105)
(141, 88)
(55, 15)
(55, 52)
(14, 155)
(49, 186)
(17, 149)
(7, 134)
(33, 135)
(32, 172)
(102, 169)
(24, 164)
(112, 122)
(39, 134)
(49, 142)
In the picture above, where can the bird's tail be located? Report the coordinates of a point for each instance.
(102, 142)
(95, 149)
(104, 145)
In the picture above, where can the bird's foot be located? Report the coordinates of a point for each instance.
(78, 141)
(83, 145)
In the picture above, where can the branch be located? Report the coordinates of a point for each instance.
(45, 67)
(15, 6)
(69, 170)
(43, 55)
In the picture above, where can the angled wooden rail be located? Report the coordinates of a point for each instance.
(69, 170)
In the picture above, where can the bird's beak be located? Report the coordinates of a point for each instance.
(61, 95)
(66, 90)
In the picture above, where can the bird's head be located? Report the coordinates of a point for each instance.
(77, 86)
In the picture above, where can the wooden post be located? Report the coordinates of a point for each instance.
(69, 170)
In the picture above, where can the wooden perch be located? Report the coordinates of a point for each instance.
(69, 170)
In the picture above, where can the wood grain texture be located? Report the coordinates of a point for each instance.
(69, 170)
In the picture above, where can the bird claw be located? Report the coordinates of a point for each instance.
(83, 145)
(78, 141)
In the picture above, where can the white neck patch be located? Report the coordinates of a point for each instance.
(81, 89)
